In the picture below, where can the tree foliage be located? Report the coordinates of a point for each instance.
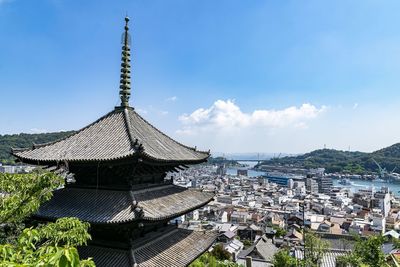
(208, 260)
(283, 259)
(52, 244)
(344, 161)
(221, 160)
(22, 194)
(220, 253)
(315, 248)
(279, 231)
(247, 243)
(25, 140)
(367, 252)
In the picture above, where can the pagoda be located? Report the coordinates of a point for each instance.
(119, 165)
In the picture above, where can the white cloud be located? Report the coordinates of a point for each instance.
(227, 116)
(171, 99)
(36, 130)
(355, 105)
(141, 111)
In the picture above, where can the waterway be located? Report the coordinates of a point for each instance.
(250, 173)
(354, 186)
(362, 184)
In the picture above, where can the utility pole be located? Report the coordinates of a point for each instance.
(304, 232)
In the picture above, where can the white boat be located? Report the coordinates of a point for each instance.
(345, 182)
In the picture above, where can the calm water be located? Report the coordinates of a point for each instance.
(361, 184)
(354, 187)
(251, 173)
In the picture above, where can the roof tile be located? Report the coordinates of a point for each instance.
(119, 134)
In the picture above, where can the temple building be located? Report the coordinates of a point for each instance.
(115, 180)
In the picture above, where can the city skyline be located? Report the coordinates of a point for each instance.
(264, 77)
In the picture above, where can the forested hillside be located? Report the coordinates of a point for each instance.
(344, 161)
(25, 140)
(330, 159)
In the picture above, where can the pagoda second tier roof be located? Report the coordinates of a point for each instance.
(176, 248)
(111, 206)
(119, 134)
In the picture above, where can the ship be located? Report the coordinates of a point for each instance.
(345, 182)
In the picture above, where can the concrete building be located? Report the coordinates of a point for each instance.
(382, 201)
(7, 169)
(311, 186)
(325, 184)
(290, 183)
(242, 172)
(221, 169)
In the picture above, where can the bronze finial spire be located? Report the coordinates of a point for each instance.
(125, 82)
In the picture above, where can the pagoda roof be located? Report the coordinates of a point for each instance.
(90, 205)
(119, 134)
(167, 201)
(178, 247)
(111, 206)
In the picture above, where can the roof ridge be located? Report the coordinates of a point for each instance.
(118, 134)
(135, 145)
(65, 137)
(155, 128)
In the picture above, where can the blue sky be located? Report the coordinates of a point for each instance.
(232, 76)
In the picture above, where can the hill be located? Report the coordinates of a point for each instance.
(343, 161)
(330, 159)
(25, 140)
(221, 160)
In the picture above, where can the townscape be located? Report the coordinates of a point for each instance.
(255, 216)
(130, 188)
(249, 211)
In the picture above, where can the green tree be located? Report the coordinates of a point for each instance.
(283, 259)
(247, 243)
(220, 253)
(396, 243)
(22, 194)
(279, 231)
(315, 248)
(208, 260)
(351, 260)
(369, 250)
(52, 244)
(25, 140)
(366, 252)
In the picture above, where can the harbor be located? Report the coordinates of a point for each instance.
(353, 184)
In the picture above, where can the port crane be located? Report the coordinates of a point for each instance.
(382, 171)
(384, 174)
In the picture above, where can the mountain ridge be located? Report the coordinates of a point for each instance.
(24, 140)
(333, 160)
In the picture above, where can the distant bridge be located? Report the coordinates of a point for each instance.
(250, 160)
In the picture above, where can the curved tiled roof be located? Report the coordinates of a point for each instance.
(119, 134)
(176, 248)
(170, 201)
(110, 206)
(94, 206)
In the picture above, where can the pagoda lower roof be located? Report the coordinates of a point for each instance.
(169, 201)
(175, 248)
(111, 206)
(119, 134)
